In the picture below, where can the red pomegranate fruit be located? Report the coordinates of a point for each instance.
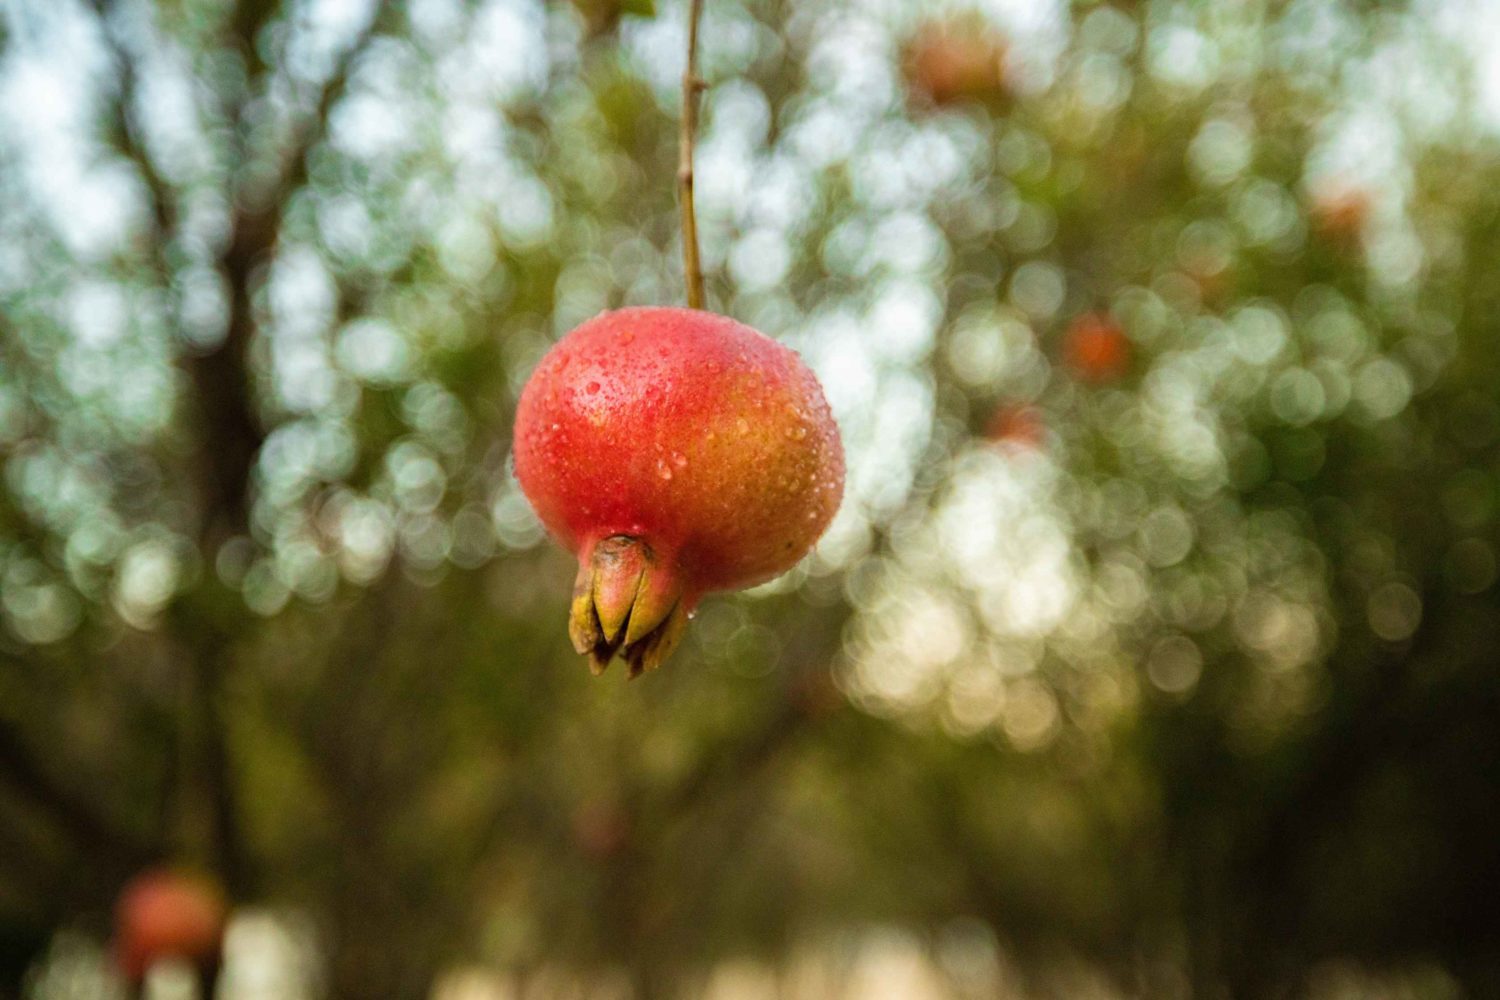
(1096, 349)
(1018, 426)
(1340, 211)
(166, 914)
(951, 61)
(675, 452)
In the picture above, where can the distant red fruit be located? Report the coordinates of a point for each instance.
(951, 61)
(1340, 211)
(1096, 349)
(1016, 425)
(164, 914)
(675, 452)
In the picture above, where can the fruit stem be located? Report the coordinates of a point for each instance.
(692, 87)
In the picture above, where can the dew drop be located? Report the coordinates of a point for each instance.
(743, 426)
(663, 469)
(679, 459)
(592, 387)
(798, 433)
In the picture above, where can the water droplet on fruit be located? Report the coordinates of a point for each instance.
(593, 387)
(743, 426)
(663, 469)
(679, 459)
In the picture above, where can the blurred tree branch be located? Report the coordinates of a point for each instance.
(125, 131)
(231, 430)
(75, 816)
(221, 377)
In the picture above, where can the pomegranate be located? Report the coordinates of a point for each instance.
(953, 61)
(1096, 349)
(164, 914)
(675, 452)
(1018, 426)
(1340, 211)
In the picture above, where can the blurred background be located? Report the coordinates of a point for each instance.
(1152, 654)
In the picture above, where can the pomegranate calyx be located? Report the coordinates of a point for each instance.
(628, 600)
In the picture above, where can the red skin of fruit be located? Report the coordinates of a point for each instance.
(1340, 212)
(164, 914)
(707, 444)
(1096, 349)
(946, 63)
(1017, 425)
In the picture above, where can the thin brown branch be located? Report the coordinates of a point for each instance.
(126, 132)
(692, 88)
(244, 27)
(314, 128)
